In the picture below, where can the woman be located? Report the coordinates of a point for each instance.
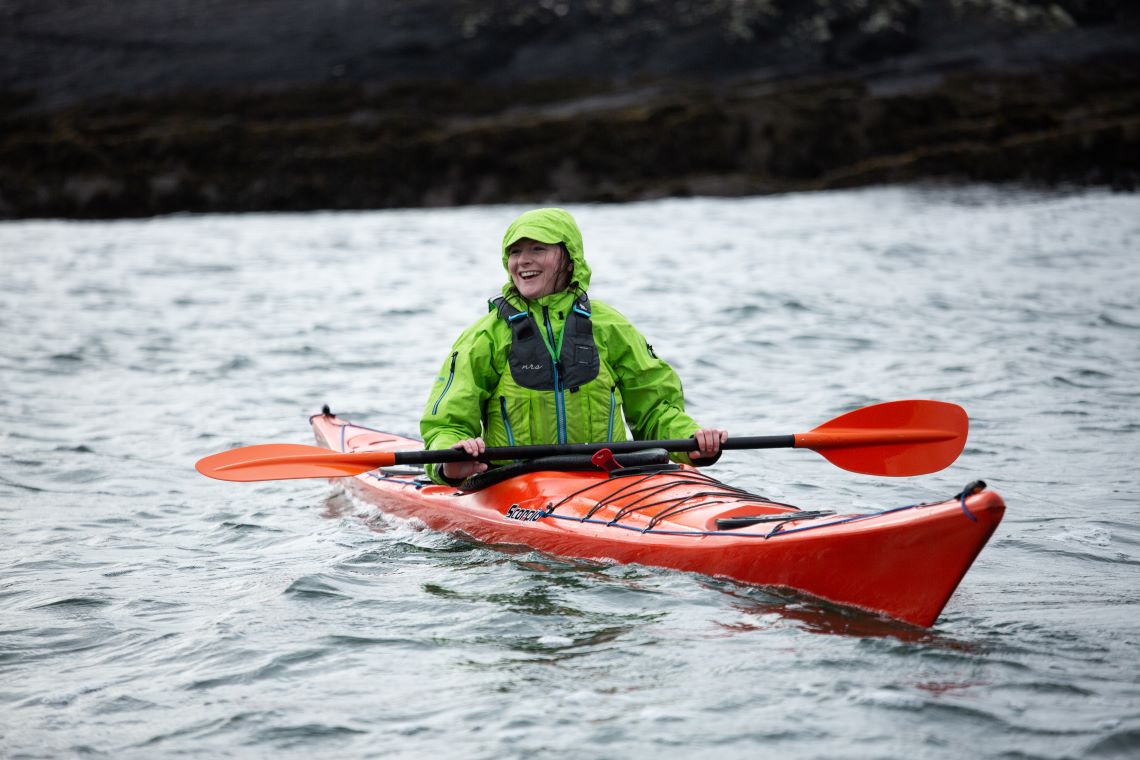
(548, 365)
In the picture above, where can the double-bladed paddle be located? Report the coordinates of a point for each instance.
(895, 438)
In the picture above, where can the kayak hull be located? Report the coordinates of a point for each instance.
(904, 563)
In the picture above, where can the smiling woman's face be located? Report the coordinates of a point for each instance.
(537, 269)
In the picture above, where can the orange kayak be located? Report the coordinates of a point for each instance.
(903, 563)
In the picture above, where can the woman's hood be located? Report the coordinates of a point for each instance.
(550, 225)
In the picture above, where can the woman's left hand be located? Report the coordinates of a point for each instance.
(708, 442)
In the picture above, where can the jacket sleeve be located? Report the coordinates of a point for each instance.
(454, 409)
(651, 391)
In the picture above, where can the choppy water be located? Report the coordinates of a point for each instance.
(146, 611)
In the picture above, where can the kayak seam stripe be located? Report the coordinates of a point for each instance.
(775, 532)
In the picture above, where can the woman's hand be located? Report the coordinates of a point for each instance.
(708, 443)
(460, 470)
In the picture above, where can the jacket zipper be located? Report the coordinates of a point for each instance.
(506, 420)
(450, 378)
(559, 400)
(613, 409)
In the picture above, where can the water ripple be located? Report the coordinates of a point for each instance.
(147, 611)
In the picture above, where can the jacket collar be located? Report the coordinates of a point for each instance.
(562, 301)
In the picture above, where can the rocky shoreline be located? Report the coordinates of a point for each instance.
(1052, 109)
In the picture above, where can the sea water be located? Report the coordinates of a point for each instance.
(146, 611)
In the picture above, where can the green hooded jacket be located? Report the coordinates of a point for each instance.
(476, 395)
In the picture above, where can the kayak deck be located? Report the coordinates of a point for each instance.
(904, 563)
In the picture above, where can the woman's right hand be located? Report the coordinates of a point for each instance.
(460, 470)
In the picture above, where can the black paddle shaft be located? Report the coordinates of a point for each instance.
(499, 453)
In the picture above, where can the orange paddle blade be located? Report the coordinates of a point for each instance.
(285, 461)
(880, 439)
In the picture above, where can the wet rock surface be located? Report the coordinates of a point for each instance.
(135, 108)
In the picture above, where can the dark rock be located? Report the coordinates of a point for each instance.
(136, 108)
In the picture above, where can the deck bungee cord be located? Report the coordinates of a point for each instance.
(728, 493)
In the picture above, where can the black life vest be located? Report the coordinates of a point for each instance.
(530, 361)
